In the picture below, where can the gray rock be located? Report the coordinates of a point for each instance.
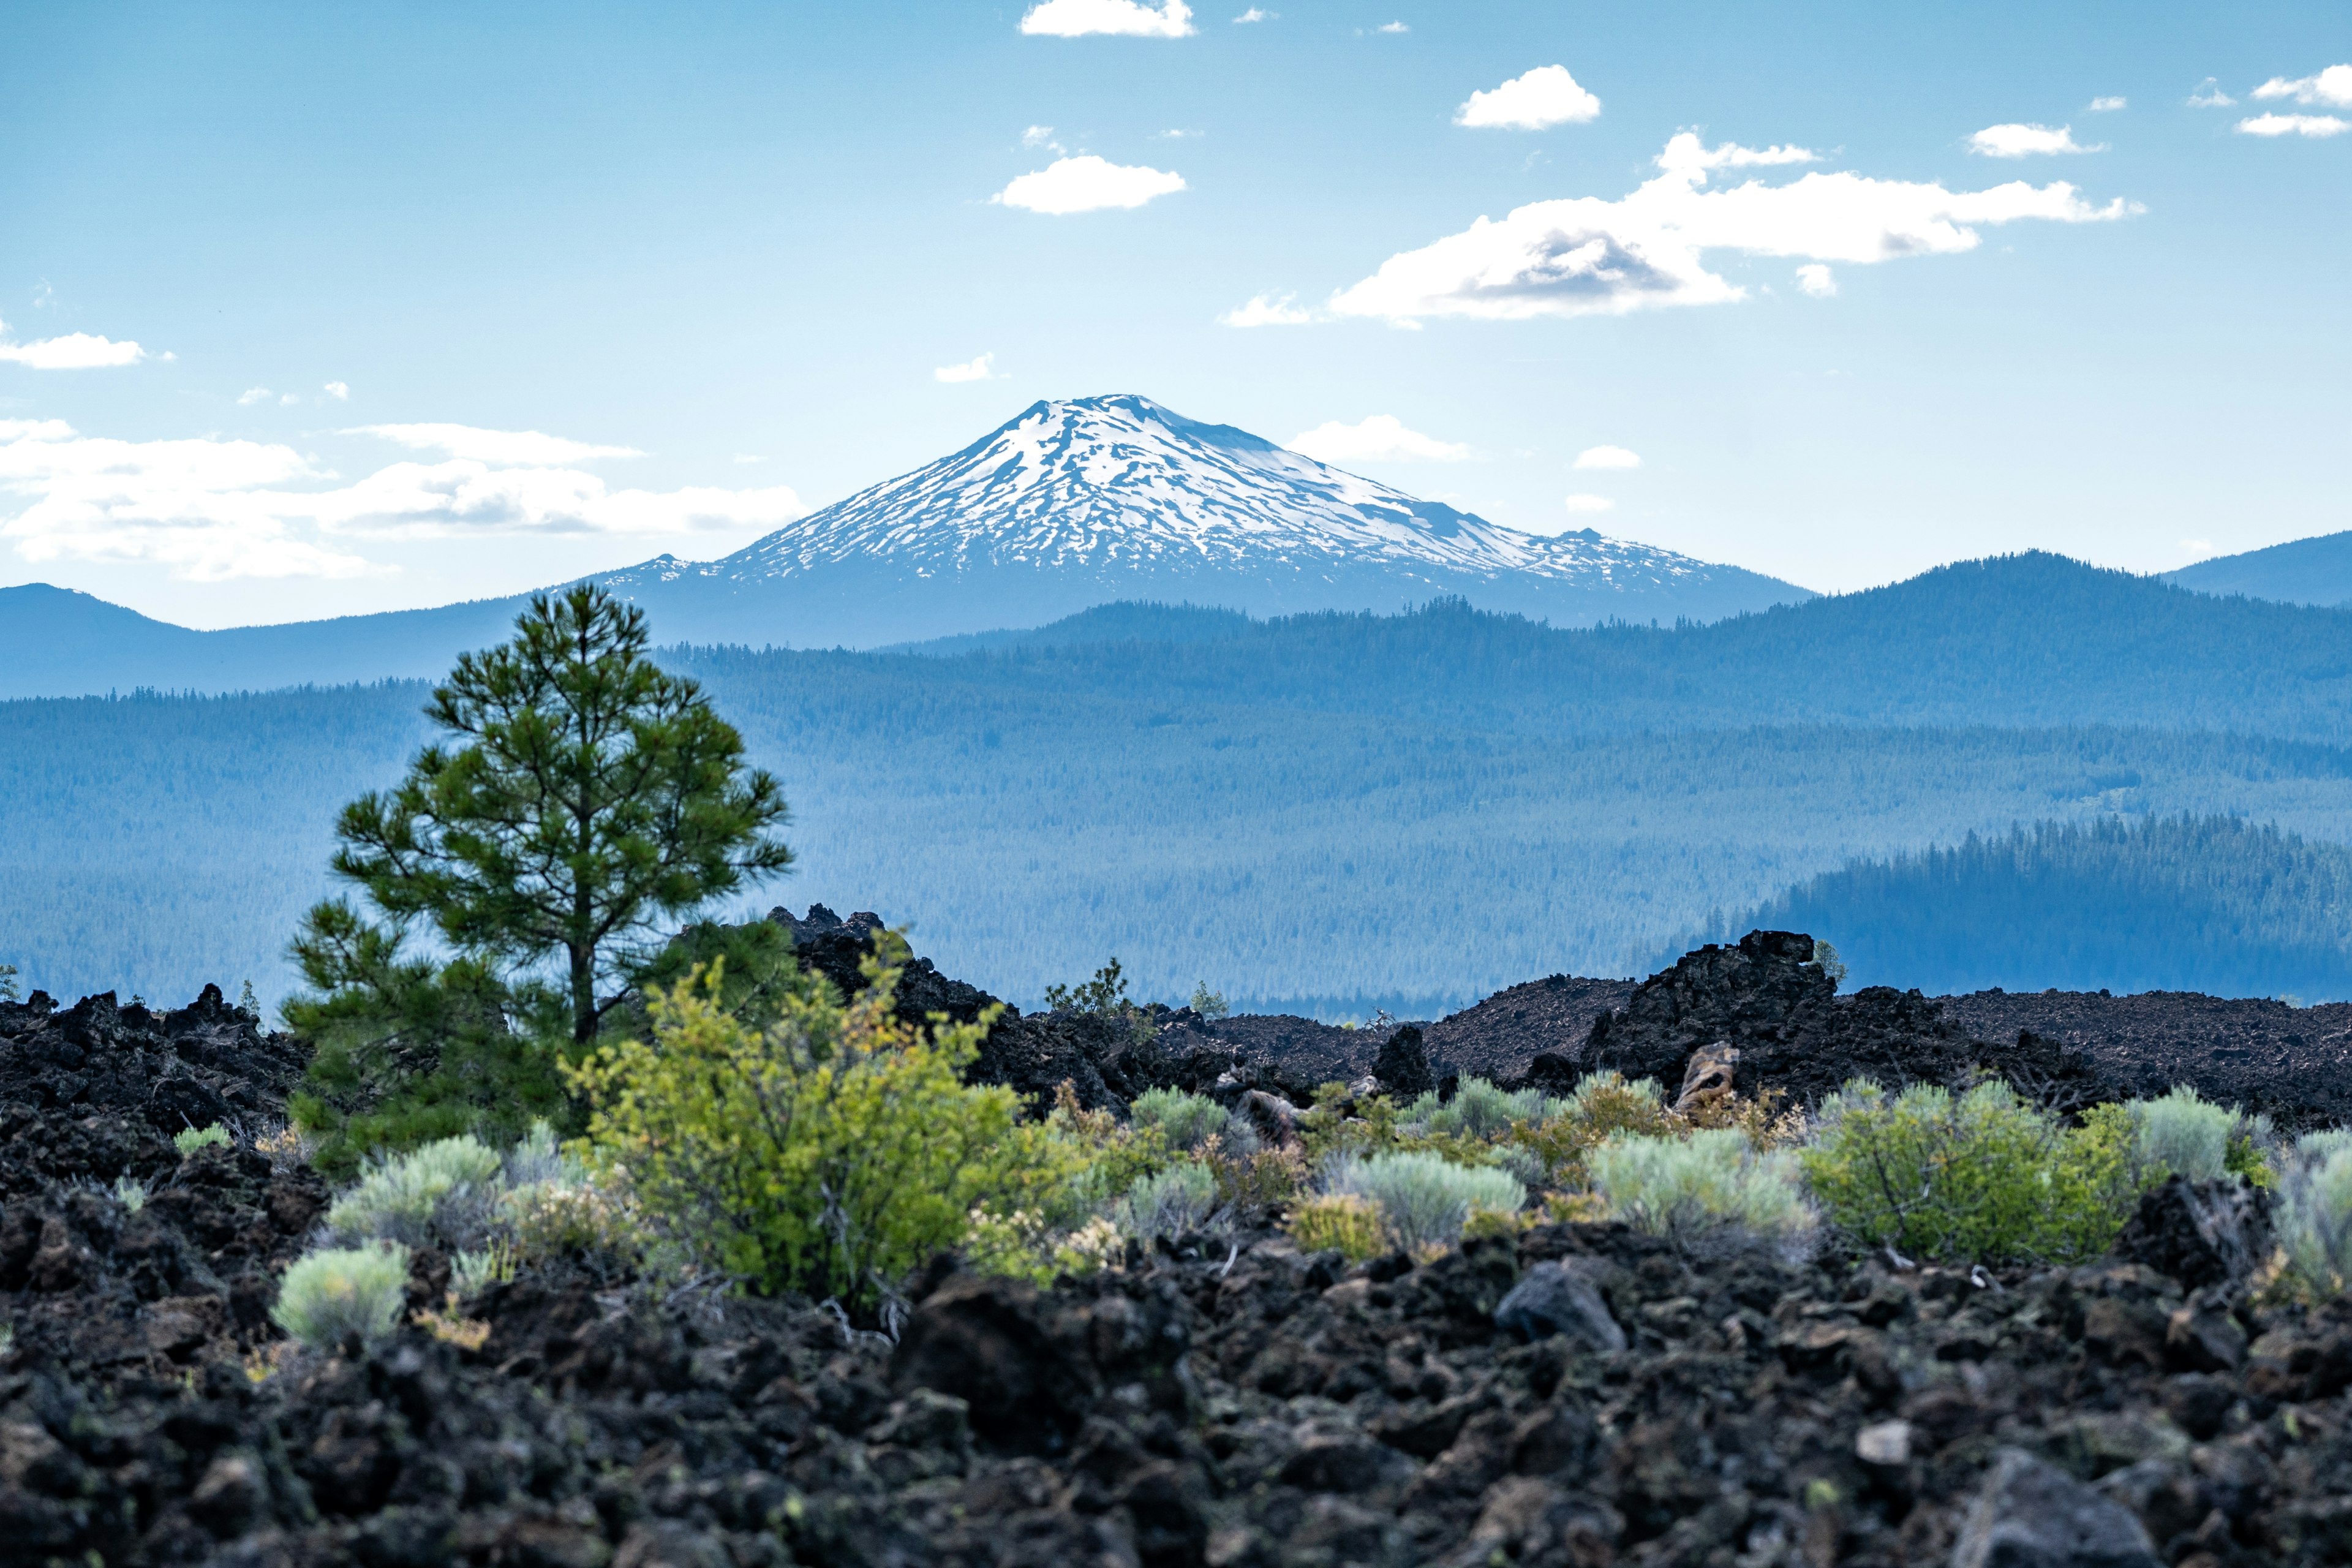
(2034, 1515)
(1561, 1298)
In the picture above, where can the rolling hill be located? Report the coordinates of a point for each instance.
(2300, 572)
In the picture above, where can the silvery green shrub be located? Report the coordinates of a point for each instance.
(328, 1296)
(1674, 1186)
(1187, 1121)
(2312, 1214)
(1169, 1202)
(442, 1192)
(1424, 1198)
(2181, 1134)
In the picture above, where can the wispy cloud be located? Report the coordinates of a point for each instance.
(970, 370)
(1646, 250)
(1533, 100)
(2209, 95)
(1086, 183)
(2108, 105)
(2332, 86)
(1608, 457)
(2313, 125)
(1817, 280)
(1125, 18)
(526, 446)
(253, 395)
(1268, 310)
(74, 351)
(2028, 142)
(339, 390)
(208, 509)
(1392, 27)
(1382, 438)
(1254, 15)
(1040, 136)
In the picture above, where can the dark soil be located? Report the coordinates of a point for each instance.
(1582, 1396)
(2296, 1062)
(1498, 1037)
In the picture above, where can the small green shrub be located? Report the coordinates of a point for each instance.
(441, 1193)
(472, 1272)
(827, 1151)
(1170, 1202)
(1678, 1186)
(130, 1193)
(188, 1140)
(1187, 1121)
(1339, 1222)
(1479, 1109)
(1602, 1105)
(2182, 1135)
(1424, 1198)
(2312, 1213)
(328, 1297)
(1210, 1005)
(1979, 1177)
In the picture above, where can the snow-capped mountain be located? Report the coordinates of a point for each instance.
(1085, 500)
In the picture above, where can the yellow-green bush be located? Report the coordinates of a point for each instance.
(2313, 1213)
(1980, 1175)
(188, 1140)
(827, 1151)
(1339, 1222)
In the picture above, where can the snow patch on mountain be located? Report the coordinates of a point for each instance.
(1090, 483)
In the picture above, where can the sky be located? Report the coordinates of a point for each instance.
(313, 311)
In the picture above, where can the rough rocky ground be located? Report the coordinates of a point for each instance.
(1578, 1395)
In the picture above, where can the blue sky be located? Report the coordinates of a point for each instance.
(715, 257)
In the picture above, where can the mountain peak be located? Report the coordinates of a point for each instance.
(1077, 500)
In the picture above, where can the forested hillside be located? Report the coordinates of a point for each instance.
(2184, 903)
(1336, 811)
(2027, 640)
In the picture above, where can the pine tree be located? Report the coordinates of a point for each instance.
(587, 800)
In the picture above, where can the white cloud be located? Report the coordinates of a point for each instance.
(1588, 256)
(74, 351)
(1382, 438)
(208, 509)
(2198, 546)
(1265, 311)
(253, 395)
(973, 369)
(2294, 125)
(1040, 136)
(1543, 97)
(2332, 86)
(1608, 457)
(290, 400)
(1254, 15)
(750, 457)
(339, 390)
(2027, 142)
(1585, 504)
(2108, 105)
(508, 447)
(1078, 18)
(2209, 95)
(1085, 185)
(1817, 280)
(1686, 153)
(1392, 27)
